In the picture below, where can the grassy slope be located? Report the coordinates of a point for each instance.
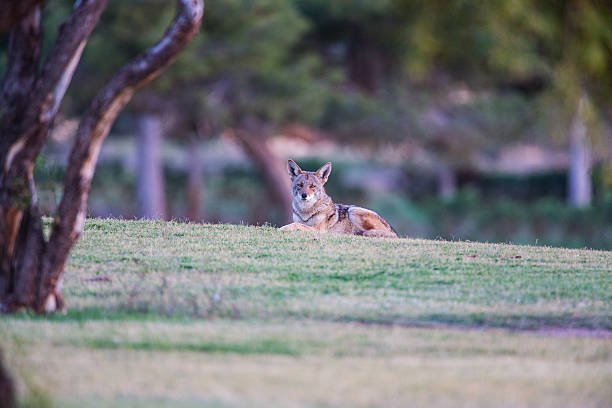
(178, 314)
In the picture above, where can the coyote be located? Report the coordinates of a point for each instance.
(314, 210)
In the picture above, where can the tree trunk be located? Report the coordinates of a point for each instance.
(30, 99)
(13, 11)
(194, 183)
(31, 268)
(273, 170)
(150, 176)
(579, 172)
(447, 182)
(8, 397)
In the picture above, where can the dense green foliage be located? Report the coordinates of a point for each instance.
(366, 69)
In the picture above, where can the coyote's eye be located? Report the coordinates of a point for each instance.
(312, 186)
(300, 185)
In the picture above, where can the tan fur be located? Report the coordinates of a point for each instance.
(314, 210)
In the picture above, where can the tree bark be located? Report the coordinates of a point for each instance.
(579, 183)
(194, 183)
(32, 268)
(273, 170)
(30, 99)
(13, 12)
(8, 397)
(150, 168)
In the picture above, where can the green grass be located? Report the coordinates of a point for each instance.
(171, 314)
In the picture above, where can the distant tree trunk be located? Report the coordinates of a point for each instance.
(150, 176)
(579, 173)
(31, 267)
(272, 168)
(447, 182)
(366, 64)
(8, 397)
(194, 183)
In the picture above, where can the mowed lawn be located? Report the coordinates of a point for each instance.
(188, 315)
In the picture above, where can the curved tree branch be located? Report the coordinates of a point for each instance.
(92, 131)
(66, 53)
(55, 77)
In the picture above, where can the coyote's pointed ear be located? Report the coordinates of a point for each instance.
(323, 172)
(293, 169)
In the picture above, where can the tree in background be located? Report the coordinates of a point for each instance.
(581, 74)
(409, 76)
(557, 53)
(253, 84)
(31, 266)
(243, 75)
(514, 60)
(150, 194)
(113, 42)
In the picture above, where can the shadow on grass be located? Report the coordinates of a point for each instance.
(492, 320)
(451, 320)
(258, 346)
(95, 313)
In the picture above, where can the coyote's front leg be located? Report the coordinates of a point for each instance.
(296, 226)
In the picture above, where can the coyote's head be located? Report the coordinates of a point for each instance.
(307, 186)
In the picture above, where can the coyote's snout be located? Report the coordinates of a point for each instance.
(314, 210)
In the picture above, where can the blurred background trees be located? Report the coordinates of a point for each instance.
(474, 120)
